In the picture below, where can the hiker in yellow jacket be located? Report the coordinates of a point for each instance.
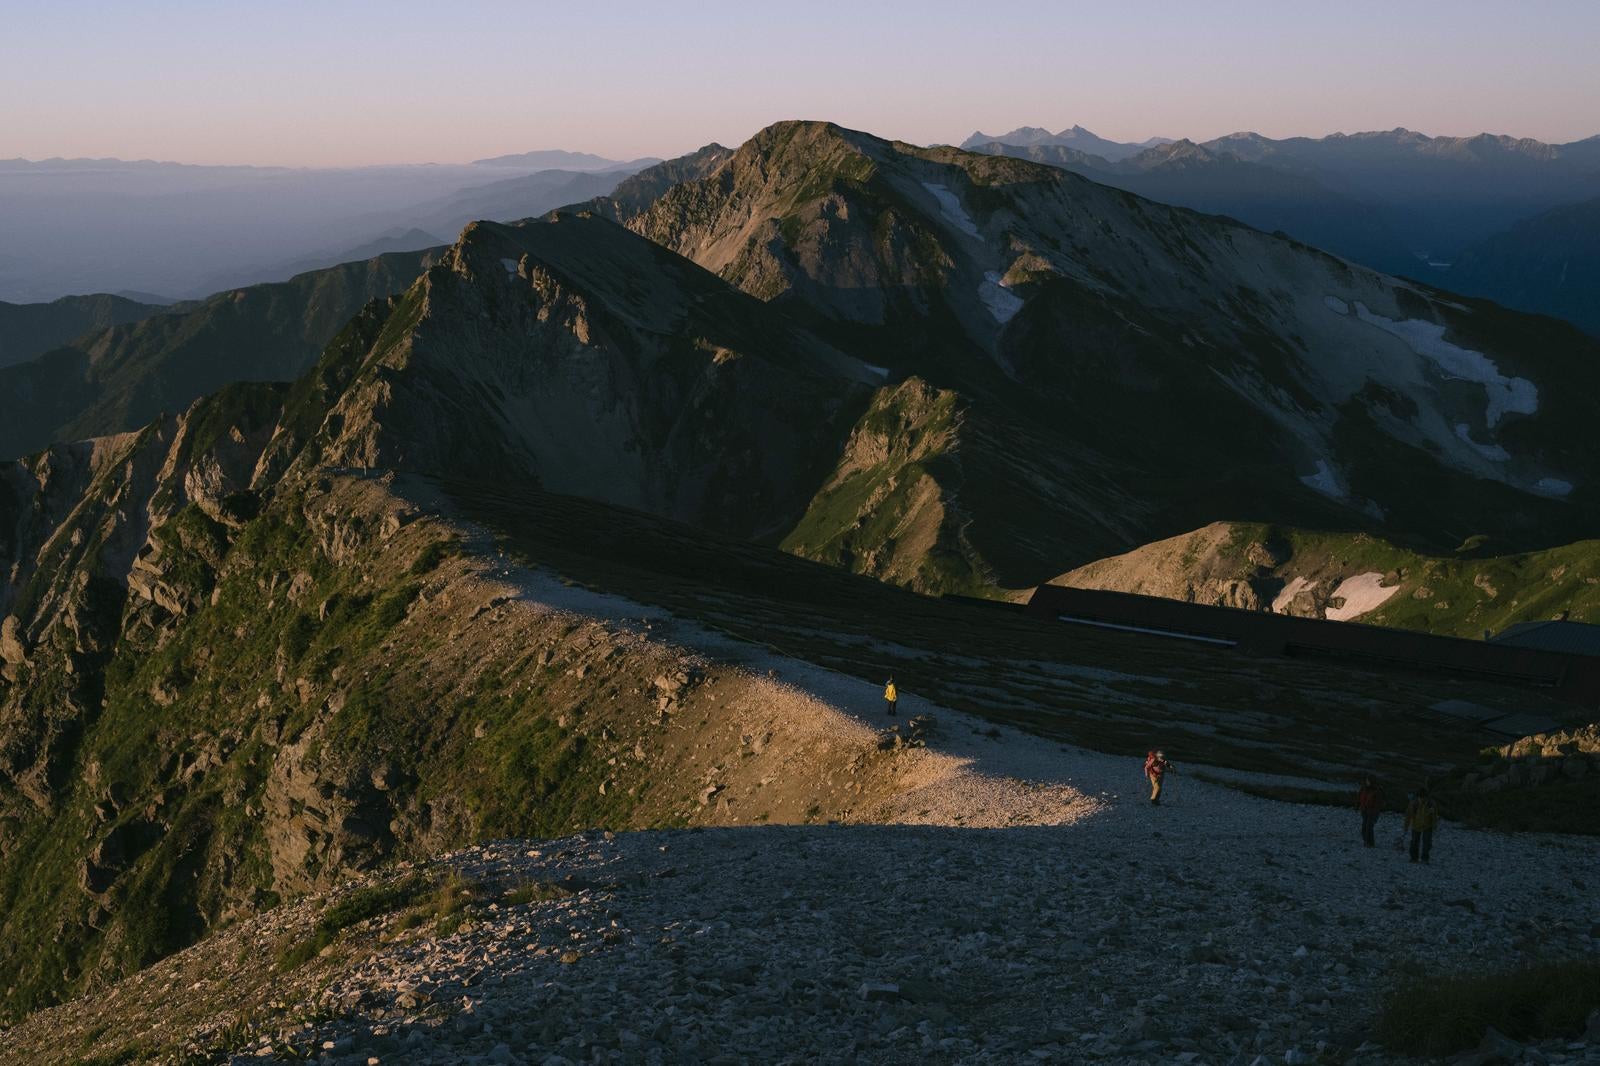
(1422, 817)
(891, 696)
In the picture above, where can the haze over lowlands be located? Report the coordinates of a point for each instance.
(893, 534)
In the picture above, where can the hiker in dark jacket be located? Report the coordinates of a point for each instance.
(1422, 817)
(1369, 801)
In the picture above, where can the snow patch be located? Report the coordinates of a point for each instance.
(1002, 303)
(1492, 452)
(1505, 395)
(1283, 599)
(1325, 481)
(950, 207)
(1362, 593)
(510, 265)
(881, 371)
(1336, 305)
(1553, 486)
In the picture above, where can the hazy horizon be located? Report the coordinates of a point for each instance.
(300, 85)
(994, 128)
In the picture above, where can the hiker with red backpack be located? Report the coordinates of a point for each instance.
(1156, 767)
(1369, 801)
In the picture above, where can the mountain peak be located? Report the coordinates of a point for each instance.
(551, 159)
(1075, 137)
(576, 353)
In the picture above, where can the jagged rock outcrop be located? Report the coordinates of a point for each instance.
(1571, 755)
(321, 821)
(597, 363)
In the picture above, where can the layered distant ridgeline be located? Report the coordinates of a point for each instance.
(28, 330)
(1549, 263)
(1398, 201)
(121, 377)
(1074, 138)
(291, 629)
(110, 225)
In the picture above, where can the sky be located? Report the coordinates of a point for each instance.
(351, 82)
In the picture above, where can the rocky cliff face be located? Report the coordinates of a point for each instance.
(104, 536)
(219, 701)
(599, 364)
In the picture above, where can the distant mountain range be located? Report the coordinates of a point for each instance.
(88, 226)
(418, 226)
(119, 377)
(562, 160)
(1549, 263)
(1076, 138)
(1399, 201)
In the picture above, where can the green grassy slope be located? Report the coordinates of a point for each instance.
(1461, 594)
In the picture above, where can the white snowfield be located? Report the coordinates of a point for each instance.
(1505, 395)
(1553, 486)
(1469, 445)
(1002, 303)
(1325, 480)
(1361, 593)
(950, 207)
(1286, 595)
(1492, 452)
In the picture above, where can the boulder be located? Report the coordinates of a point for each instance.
(1496, 1047)
(1268, 557)
(12, 651)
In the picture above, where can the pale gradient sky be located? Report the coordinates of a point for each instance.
(339, 82)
